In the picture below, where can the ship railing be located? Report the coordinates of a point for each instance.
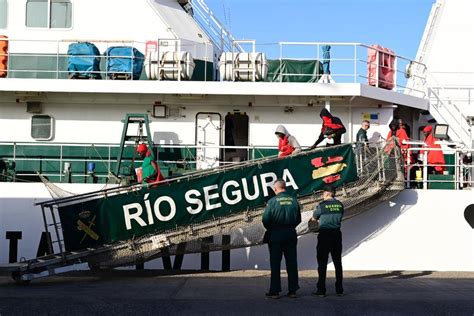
(346, 62)
(342, 63)
(220, 36)
(462, 95)
(445, 104)
(60, 160)
(52, 62)
(458, 171)
(446, 110)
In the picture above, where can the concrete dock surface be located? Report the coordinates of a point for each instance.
(157, 292)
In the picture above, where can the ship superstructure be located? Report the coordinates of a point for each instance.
(213, 100)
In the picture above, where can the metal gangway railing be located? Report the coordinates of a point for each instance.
(380, 177)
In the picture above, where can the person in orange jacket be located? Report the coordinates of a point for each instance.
(151, 172)
(287, 144)
(332, 129)
(435, 158)
(401, 135)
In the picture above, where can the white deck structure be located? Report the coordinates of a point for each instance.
(446, 50)
(90, 111)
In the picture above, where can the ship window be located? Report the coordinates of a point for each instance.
(61, 13)
(37, 13)
(42, 127)
(3, 14)
(58, 11)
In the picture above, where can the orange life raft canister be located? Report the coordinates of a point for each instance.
(3, 56)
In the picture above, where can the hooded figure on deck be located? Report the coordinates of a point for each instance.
(332, 129)
(435, 157)
(398, 132)
(287, 144)
(401, 135)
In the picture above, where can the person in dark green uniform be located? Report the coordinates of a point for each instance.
(362, 133)
(280, 218)
(329, 215)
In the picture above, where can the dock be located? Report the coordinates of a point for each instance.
(158, 292)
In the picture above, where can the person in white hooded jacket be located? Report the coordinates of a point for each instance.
(287, 144)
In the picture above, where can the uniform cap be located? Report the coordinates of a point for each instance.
(330, 189)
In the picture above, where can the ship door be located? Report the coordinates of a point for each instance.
(236, 134)
(208, 140)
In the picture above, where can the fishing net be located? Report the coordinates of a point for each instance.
(55, 191)
(380, 177)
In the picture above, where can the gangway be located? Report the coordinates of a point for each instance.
(366, 175)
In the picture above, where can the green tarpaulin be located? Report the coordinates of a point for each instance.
(287, 70)
(107, 219)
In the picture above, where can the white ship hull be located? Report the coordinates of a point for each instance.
(417, 230)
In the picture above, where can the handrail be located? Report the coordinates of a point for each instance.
(458, 88)
(187, 158)
(49, 144)
(348, 59)
(461, 129)
(463, 173)
(219, 35)
(448, 113)
(430, 26)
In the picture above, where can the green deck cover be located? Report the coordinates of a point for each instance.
(287, 70)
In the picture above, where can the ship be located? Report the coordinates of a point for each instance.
(207, 103)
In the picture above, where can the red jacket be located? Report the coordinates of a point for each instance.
(435, 157)
(284, 147)
(401, 134)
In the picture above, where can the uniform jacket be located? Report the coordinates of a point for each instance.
(362, 136)
(282, 212)
(329, 213)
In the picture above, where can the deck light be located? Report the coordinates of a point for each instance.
(441, 131)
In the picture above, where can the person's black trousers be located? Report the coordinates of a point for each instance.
(329, 241)
(283, 243)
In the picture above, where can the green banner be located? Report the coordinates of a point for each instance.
(180, 203)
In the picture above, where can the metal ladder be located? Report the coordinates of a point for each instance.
(134, 118)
